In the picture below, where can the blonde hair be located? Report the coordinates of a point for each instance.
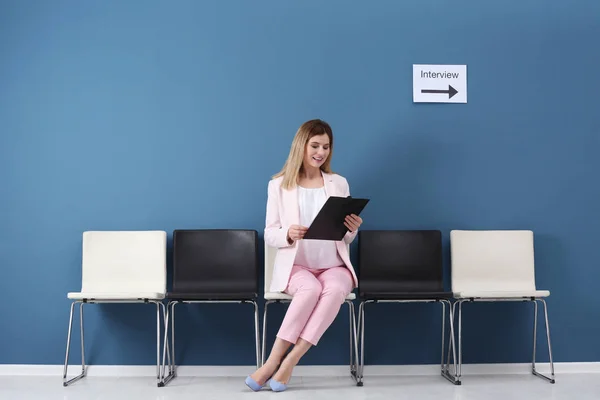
(293, 165)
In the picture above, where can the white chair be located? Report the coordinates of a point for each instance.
(276, 297)
(120, 267)
(493, 266)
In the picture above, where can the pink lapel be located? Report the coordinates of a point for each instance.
(329, 186)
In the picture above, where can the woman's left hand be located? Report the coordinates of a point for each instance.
(353, 222)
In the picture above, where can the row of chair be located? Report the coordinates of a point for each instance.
(222, 266)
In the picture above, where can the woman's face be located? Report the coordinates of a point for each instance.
(317, 151)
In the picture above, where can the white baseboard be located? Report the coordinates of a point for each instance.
(301, 370)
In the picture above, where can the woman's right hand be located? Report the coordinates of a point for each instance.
(296, 232)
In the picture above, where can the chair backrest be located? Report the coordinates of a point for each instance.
(492, 260)
(397, 261)
(124, 261)
(217, 261)
(270, 254)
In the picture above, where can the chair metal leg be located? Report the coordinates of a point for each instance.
(353, 360)
(361, 327)
(264, 333)
(355, 332)
(166, 326)
(452, 348)
(445, 369)
(451, 344)
(443, 333)
(83, 368)
(550, 379)
(459, 367)
(159, 371)
(173, 364)
(257, 335)
(353, 343)
(535, 318)
(548, 337)
(166, 356)
(453, 310)
(158, 375)
(170, 314)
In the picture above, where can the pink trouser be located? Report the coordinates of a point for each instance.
(317, 297)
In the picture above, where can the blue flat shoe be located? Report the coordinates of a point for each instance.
(277, 386)
(252, 384)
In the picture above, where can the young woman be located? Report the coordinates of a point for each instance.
(317, 274)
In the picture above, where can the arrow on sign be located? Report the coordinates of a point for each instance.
(451, 91)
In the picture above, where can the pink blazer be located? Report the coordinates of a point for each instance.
(283, 211)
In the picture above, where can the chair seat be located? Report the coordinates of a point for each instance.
(406, 295)
(211, 296)
(283, 296)
(501, 294)
(115, 295)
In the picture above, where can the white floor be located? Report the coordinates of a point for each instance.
(511, 387)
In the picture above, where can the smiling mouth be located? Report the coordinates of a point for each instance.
(317, 159)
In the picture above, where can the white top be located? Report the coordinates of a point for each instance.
(314, 254)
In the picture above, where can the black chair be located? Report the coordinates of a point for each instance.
(402, 267)
(212, 266)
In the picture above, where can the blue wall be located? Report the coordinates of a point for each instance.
(165, 115)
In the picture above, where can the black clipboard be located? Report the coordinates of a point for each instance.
(329, 222)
